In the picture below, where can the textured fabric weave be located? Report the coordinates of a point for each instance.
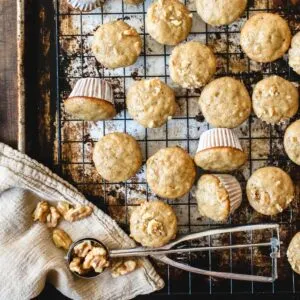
(28, 256)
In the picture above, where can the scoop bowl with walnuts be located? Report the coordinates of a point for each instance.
(87, 258)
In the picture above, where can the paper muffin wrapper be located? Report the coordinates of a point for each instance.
(218, 137)
(85, 5)
(233, 189)
(93, 87)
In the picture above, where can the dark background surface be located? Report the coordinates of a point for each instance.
(50, 293)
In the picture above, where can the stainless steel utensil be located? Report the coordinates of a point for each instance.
(162, 252)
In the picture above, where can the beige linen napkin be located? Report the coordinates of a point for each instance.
(28, 256)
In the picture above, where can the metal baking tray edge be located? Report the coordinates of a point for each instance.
(20, 73)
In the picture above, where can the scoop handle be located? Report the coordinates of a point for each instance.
(167, 249)
(236, 276)
(157, 252)
(216, 231)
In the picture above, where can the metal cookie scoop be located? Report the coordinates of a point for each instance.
(162, 252)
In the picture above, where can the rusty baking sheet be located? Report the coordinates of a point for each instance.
(63, 55)
(20, 70)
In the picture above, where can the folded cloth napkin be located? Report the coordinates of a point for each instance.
(28, 256)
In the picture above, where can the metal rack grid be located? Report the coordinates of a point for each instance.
(75, 138)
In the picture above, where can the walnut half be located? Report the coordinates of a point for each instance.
(61, 239)
(75, 266)
(123, 267)
(96, 259)
(41, 212)
(63, 207)
(155, 228)
(78, 213)
(82, 249)
(53, 217)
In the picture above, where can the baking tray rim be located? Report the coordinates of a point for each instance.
(20, 75)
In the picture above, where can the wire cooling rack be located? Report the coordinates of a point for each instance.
(75, 138)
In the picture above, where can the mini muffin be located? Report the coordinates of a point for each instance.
(170, 172)
(85, 5)
(151, 102)
(219, 150)
(225, 102)
(220, 12)
(117, 157)
(265, 37)
(292, 142)
(91, 100)
(168, 21)
(192, 64)
(294, 53)
(218, 196)
(275, 100)
(270, 190)
(153, 224)
(293, 253)
(116, 44)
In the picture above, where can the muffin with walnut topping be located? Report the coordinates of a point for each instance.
(293, 253)
(220, 12)
(170, 172)
(225, 102)
(153, 224)
(275, 100)
(192, 64)
(294, 53)
(265, 37)
(116, 44)
(270, 190)
(168, 21)
(292, 142)
(151, 102)
(117, 157)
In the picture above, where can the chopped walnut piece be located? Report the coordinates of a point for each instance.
(78, 213)
(176, 22)
(99, 263)
(63, 207)
(83, 248)
(99, 251)
(123, 267)
(115, 51)
(75, 266)
(130, 32)
(97, 259)
(155, 228)
(53, 217)
(87, 261)
(41, 212)
(61, 239)
(156, 90)
(278, 207)
(98, 254)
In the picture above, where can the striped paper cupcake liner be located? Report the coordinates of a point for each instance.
(93, 87)
(233, 189)
(218, 137)
(85, 5)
